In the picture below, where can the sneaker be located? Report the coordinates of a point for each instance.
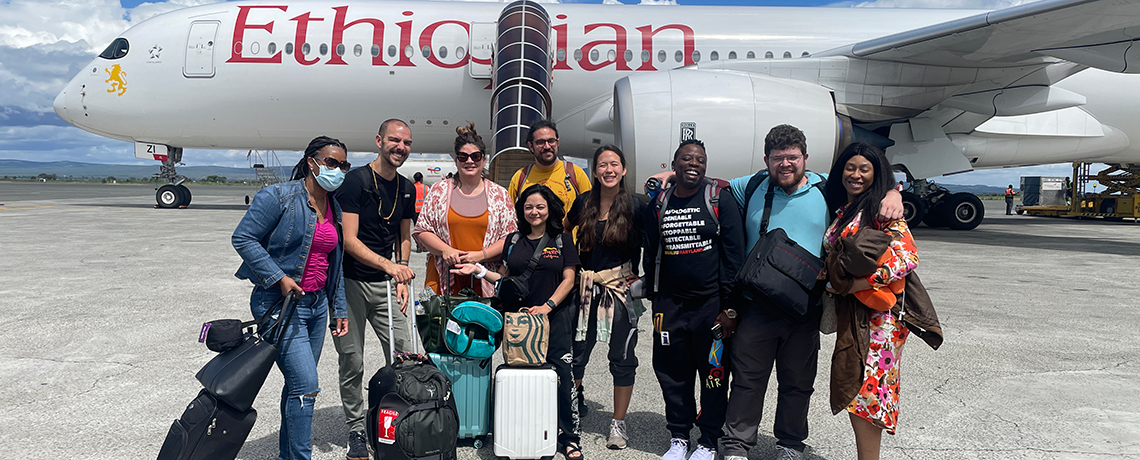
(677, 449)
(787, 453)
(357, 446)
(618, 436)
(703, 453)
(735, 457)
(582, 409)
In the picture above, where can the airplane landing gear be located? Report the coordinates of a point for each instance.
(173, 194)
(935, 206)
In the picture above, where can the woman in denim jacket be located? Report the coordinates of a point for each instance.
(290, 241)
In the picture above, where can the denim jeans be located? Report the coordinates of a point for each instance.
(301, 346)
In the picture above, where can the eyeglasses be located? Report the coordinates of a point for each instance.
(543, 142)
(474, 156)
(787, 158)
(334, 163)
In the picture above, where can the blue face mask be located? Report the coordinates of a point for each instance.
(329, 178)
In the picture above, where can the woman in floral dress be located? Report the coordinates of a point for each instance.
(857, 184)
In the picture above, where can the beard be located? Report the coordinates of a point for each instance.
(797, 177)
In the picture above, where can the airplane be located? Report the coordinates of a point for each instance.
(432, 170)
(942, 91)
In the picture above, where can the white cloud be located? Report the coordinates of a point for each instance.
(25, 23)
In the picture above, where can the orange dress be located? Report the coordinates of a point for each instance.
(466, 235)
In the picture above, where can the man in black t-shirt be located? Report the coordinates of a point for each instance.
(378, 207)
(698, 230)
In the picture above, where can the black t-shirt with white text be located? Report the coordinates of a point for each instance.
(548, 273)
(690, 263)
(362, 193)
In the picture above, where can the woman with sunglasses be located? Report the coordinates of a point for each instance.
(464, 219)
(290, 241)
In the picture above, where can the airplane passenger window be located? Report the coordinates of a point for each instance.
(288, 48)
(768, 55)
(696, 56)
(714, 55)
(116, 50)
(611, 55)
(375, 50)
(305, 49)
(272, 48)
(805, 53)
(357, 50)
(594, 55)
(409, 51)
(426, 50)
(255, 48)
(443, 51)
(578, 54)
(787, 54)
(324, 49)
(661, 56)
(561, 54)
(678, 56)
(732, 54)
(460, 52)
(628, 56)
(750, 55)
(340, 49)
(644, 55)
(391, 50)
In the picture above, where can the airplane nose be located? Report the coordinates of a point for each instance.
(60, 105)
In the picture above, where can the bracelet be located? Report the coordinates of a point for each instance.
(482, 271)
(484, 252)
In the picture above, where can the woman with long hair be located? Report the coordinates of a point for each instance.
(464, 219)
(290, 241)
(865, 374)
(610, 226)
(539, 213)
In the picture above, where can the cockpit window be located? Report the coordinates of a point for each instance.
(116, 50)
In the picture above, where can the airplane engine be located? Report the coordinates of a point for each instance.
(730, 111)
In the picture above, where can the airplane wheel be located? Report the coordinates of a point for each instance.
(168, 196)
(965, 211)
(186, 196)
(913, 209)
(935, 216)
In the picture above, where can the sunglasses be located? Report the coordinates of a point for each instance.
(474, 156)
(334, 163)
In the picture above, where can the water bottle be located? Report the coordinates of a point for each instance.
(422, 299)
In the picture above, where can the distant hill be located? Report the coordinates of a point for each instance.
(78, 170)
(975, 189)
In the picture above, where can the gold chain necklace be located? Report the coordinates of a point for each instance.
(380, 198)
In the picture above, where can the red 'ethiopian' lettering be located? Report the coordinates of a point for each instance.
(240, 26)
(338, 35)
(619, 43)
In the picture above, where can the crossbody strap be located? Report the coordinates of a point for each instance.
(767, 207)
(530, 266)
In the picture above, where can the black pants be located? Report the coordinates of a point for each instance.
(1008, 206)
(559, 353)
(761, 339)
(623, 361)
(681, 348)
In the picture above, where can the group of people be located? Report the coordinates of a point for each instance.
(688, 243)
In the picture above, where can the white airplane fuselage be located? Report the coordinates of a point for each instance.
(273, 75)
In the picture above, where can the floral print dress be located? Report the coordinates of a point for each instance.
(878, 398)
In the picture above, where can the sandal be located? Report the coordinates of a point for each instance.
(570, 449)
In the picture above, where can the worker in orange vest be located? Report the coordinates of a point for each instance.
(1009, 193)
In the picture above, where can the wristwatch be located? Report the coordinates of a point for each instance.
(730, 313)
(551, 303)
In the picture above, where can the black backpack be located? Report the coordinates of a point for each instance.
(411, 411)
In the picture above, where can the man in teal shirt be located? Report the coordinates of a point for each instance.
(764, 337)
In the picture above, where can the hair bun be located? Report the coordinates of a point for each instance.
(466, 130)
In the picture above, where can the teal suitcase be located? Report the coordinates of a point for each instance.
(471, 384)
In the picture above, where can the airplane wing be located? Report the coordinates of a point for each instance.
(1095, 33)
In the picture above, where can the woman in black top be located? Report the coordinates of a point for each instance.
(540, 213)
(610, 224)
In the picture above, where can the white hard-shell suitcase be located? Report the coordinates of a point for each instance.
(526, 412)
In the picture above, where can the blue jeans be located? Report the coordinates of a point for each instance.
(301, 346)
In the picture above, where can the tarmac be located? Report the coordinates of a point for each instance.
(105, 296)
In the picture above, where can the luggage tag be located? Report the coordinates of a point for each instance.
(387, 430)
(453, 327)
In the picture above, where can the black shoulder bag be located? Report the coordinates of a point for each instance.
(780, 274)
(513, 290)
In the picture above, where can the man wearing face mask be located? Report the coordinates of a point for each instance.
(764, 336)
(289, 242)
(695, 248)
(379, 205)
(565, 179)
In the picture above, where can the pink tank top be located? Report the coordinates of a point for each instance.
(317, 269)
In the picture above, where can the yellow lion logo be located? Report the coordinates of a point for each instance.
(117, 78)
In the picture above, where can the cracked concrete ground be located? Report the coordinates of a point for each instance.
(104, 296)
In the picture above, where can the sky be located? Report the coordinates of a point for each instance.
(44, 43)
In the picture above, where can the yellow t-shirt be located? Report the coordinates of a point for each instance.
(555, 178)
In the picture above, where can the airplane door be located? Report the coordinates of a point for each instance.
(200, 50)
(482, 46)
